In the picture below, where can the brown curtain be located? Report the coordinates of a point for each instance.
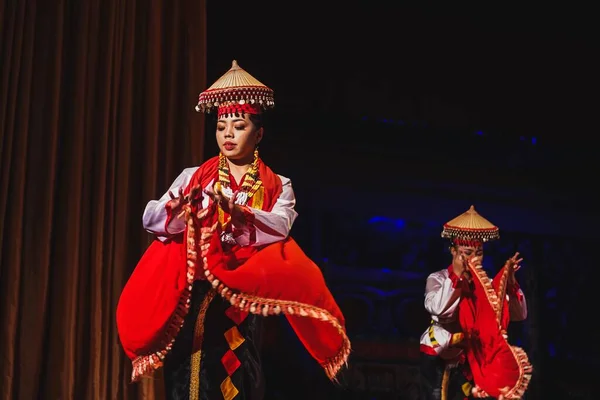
(97, 117)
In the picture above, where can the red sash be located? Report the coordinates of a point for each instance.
(497, 367)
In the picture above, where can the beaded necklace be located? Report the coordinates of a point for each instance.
(251, 187)
(251, 181)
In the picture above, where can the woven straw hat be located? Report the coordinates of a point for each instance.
(470, 227)
(237, 89)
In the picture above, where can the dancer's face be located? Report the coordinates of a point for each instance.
(237, 137)
(467, 252)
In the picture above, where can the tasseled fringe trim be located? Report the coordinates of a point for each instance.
(266, 307)
(525, 367)
(146, 365)
(470, 236)
(490, 293)
(518, 390)
(502, 292)
(525, 371)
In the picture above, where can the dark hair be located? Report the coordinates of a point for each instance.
(257, 120)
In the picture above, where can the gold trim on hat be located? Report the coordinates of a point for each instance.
(470, 226)
(236, 86)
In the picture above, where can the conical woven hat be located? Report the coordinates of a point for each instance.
(236, 86)
(470, 226)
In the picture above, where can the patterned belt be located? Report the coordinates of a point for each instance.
(456, 337)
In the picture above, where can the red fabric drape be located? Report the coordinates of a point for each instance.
(144, 316)
(153, 303)
(494, 362)
(96, 117)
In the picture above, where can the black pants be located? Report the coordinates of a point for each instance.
(248, 378)
(432, 374)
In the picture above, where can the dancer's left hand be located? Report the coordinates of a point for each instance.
(513, 265)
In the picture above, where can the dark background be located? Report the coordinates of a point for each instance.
(391, 119)
(501, 96)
